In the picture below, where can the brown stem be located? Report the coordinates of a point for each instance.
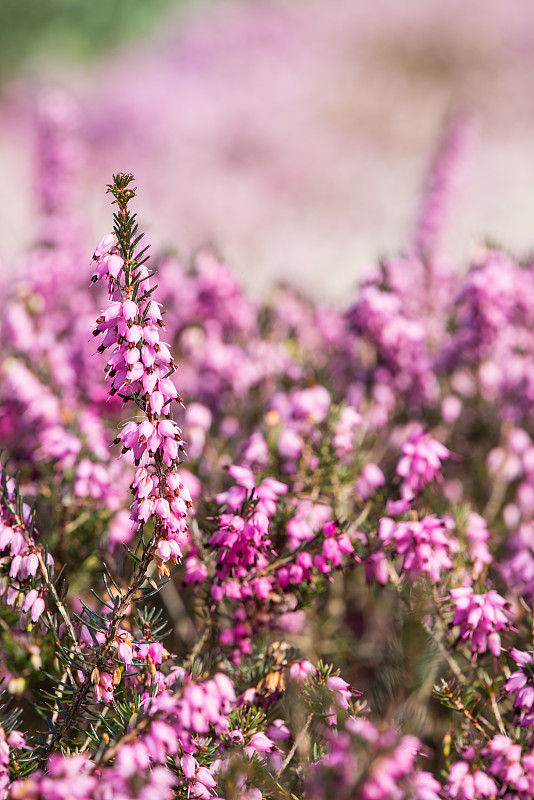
(459, 706)
(59, 603)
(298, 739)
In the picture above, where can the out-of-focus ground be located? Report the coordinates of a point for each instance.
(294, 134)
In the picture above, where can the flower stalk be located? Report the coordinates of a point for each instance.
(138, 369)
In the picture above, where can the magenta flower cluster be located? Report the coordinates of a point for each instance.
(342, 568)
(480, 618)
(139, 367)
(22, 585)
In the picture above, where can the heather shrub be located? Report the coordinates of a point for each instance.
(264, 548)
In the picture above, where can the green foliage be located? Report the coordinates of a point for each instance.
(72, 29)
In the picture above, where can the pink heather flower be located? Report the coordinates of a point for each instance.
(164, 550)
(132, 758)
(335, 544)
(343, 440)
(464, 784)
(312, 404)
(522, 683)
(16, 740)
(451, 408)
(155, 651)
(387, 770)
(442, 186)
(190, 486)
(513, 768)
(341, 689)
(121, 530)
(104, 246)
(518, 566)
(299, 571)
(300, 671)
(371, 478)
(426, 545)
(290, 444)
(504, 463)
(29, 600)
(30, 564)
(114, 264)
(292, 621)
(198, 415)
(420, 462)
(520, 442)
(189, 765)
(162, 508)
(398, 507)
(262, 743)
(204, 785)
(161, 740)
(223, 688)
(425, 786)
(267, 492)
(37, 609)
(65, 775)
(241, 546)
(278, 730)
(13, 596)
(477, 535)
(251, 794)
(16, 567)
(480, 617)
(377, 567)
(103, 689)
(197, 422)
(256, 451)
(196, 570)
(124, 651)
(298, 530)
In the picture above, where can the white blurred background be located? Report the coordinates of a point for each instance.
(293, 134)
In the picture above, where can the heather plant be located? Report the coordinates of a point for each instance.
(263, 548)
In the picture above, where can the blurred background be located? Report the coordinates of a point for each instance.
(295, 135)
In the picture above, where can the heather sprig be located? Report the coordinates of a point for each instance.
(139, 367)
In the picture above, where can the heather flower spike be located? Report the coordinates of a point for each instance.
(138, 369)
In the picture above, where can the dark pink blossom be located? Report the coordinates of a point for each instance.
(480, 618)
(425, 545)
(420, 462)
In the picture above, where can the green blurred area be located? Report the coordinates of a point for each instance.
(31, 30)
